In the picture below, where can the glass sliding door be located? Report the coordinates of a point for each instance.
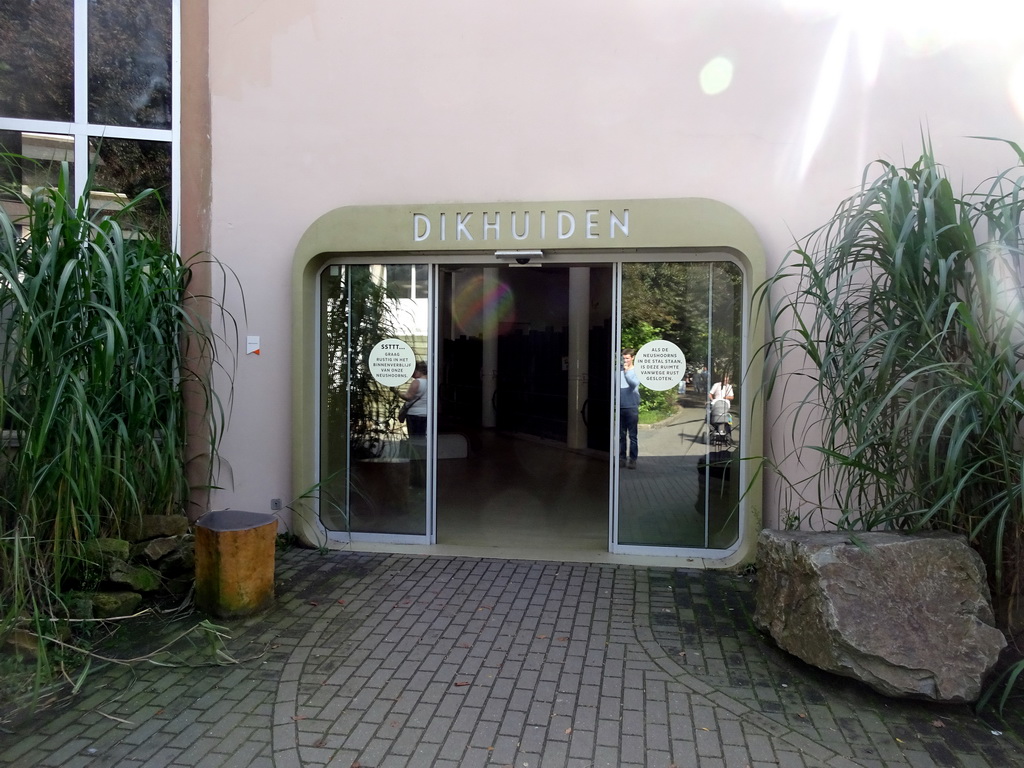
(522, 417)
(515, 441)
(373, 348)
(682, 491)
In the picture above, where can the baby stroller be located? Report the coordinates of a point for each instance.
(720, 423)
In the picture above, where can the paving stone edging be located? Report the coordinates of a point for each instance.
(390, 660)
(628, 626)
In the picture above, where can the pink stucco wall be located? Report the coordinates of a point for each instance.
(317, 104)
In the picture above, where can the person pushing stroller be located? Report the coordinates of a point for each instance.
(720, 398)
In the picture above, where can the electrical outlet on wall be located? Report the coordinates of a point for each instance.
(275, 505)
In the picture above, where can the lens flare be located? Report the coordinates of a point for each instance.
(1016, 87)
(480, 306)
(716, 76)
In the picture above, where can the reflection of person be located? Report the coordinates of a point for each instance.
(416, 421)
(720, 418)
(416, 394)
(722, 390)
(701, 383)
(629, 410)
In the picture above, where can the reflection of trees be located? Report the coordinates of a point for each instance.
(671, 301)
(130, 167)
(359, 312)
(727, 320)
(36, 59)
(130, 63)
(129, 76)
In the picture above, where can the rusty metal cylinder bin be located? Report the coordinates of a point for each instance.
(235, 562)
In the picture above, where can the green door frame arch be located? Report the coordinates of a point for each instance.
(679, 224)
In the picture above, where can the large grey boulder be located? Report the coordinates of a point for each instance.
(910, 616)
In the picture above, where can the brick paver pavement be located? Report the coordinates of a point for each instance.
(383, 661)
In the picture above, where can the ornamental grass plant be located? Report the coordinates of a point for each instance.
(99, 339)
(898, 337)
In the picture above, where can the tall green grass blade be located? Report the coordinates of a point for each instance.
(96, 315)
(898, 344)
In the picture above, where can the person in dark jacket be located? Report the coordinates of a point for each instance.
(629, 410)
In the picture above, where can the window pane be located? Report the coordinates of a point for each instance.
(683, 489)
(130, 63)
(420, 272)
(124, 168)
(373, 465)
(31, 160)
(399, 280)
(36, 59)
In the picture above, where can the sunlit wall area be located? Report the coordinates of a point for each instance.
(292, 110)
(773, 108)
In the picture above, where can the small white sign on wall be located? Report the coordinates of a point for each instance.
(392, 362)
(660, 365)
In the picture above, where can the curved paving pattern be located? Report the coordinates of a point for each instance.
(711, 631)
(377, 660)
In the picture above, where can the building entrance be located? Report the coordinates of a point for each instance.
(523, 407)
(518, 315)
(516, 446)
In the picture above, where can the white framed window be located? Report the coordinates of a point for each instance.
(94, 84)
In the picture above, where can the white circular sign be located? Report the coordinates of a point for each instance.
(660, 365)
(392, 362)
